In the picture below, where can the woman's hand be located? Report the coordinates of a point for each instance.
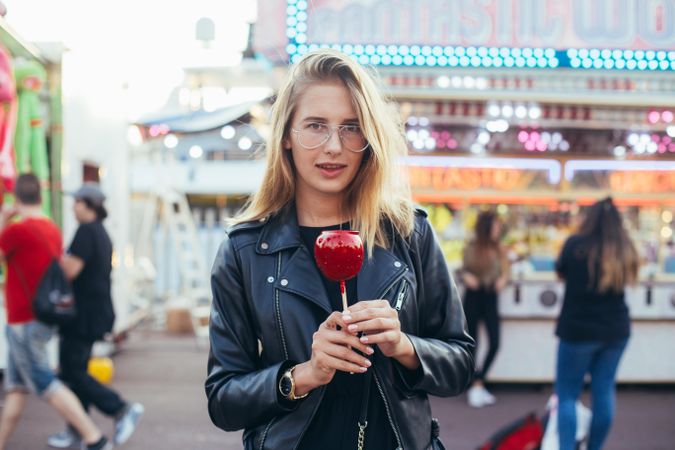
(332, 350)
(380, 325)
(501, 283)
(470, 280)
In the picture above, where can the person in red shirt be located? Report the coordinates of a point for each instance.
(27, 246)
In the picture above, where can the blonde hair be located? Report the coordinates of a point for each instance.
(379, 193)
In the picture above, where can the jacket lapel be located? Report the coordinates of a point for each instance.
(378, 274)
(299, 275)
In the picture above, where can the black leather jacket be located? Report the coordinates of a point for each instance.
(268, 300)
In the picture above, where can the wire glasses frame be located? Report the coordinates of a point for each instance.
(317, 134)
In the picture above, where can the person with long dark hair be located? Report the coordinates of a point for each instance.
(596, 264)
(485, 274)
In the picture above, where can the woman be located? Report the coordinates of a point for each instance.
(485, 274)
(596, 263)
(286, 362)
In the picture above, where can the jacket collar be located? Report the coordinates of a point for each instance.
(300, 275)
(281, 232)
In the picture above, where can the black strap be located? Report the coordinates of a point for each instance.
(363, 415)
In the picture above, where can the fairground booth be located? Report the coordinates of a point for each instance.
(535, 109)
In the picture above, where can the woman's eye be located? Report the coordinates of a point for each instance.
(352, 128)
(316, 126)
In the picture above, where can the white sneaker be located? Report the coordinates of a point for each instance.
(126, 424)
(64, 439)
(488, 399)
(474, 397)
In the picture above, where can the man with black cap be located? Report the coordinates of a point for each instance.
(88, 263)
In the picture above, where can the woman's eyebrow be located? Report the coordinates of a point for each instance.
(350, 121)
(353, 121)
(314, 119)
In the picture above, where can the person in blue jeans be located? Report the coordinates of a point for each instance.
(596, 264)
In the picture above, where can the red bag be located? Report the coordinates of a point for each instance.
(525, 433)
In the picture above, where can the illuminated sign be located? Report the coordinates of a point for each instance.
(463, 173)
(642, 181)
(607, 34)
(449, 178)
(647, 177)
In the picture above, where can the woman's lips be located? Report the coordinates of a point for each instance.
(331, 170)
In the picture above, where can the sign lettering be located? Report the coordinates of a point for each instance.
(636, 24)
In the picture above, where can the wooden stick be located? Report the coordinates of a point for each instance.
(343, 292)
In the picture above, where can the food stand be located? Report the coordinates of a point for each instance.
(535, 109)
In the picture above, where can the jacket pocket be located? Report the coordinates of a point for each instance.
(401, 295)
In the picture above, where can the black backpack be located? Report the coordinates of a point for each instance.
(54, 303)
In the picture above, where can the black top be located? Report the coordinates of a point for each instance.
(91, 287)
(588, 315)
(335, 423)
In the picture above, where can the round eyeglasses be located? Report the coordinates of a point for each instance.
(313, 135)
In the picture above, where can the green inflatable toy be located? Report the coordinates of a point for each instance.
(30, 144)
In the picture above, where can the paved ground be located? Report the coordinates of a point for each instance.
(166, 374)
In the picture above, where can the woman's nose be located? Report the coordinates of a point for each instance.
(333, 144)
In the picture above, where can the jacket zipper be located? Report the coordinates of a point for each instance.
(393, 283)
(277, 310)
(264, 436)
(386, 407)
(401, 296)
(394, 428)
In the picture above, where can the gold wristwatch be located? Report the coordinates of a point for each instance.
(287, 385)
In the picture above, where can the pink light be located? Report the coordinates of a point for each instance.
(534, 136)
(656, 138)
(452, 144)
(662, 148)
(671, 147)
(666, 139)
(434, 134)
(654, 116)
(445, 135)
(441, 144)
(541, 146)
(667, 116)
(154, 130)
(530, 146)
(523, 136)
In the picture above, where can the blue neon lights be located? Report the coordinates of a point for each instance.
(458, 56)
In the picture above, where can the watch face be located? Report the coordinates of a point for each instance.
(285, 385)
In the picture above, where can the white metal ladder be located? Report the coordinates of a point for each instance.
(175, 215)
(192, 268)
